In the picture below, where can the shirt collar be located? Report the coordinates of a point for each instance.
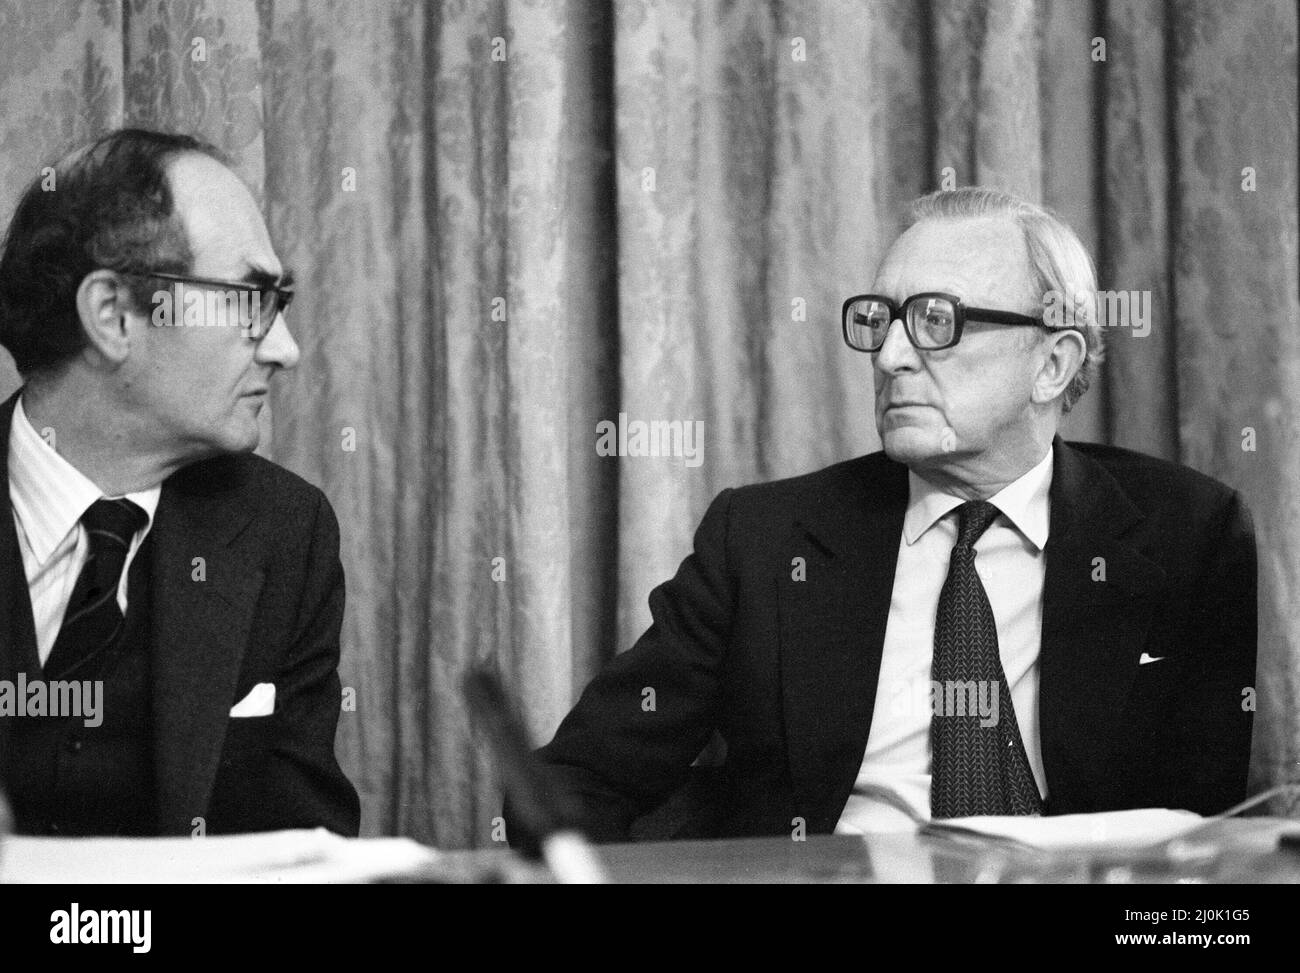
(48, 493)
(1024, 502)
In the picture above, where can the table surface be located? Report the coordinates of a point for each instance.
(1236, 851)
(1242, 850)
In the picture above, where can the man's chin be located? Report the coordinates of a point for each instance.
(239, 437)
(912, 445)
(248, 442)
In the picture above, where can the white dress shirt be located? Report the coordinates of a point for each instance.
(1011, 566)
(49, 495)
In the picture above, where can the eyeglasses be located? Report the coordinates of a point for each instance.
(932, 320)
(272, 299)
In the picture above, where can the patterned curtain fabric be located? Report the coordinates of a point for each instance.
(514, 220)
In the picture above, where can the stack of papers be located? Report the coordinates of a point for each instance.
(277, 856)
(1131, 829)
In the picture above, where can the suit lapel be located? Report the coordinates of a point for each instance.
(12, 577)
(16, 625)
(201, 617)
(1093, 629)
(833, 626)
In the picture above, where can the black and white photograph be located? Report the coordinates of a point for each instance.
(649, 442)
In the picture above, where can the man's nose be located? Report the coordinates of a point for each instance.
(897, 353)
(278, 347)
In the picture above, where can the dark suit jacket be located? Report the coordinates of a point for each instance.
(785, 671)
(269, 610)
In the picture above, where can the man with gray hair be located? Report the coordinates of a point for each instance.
(980, 619)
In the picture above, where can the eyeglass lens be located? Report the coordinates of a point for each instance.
(930, 320)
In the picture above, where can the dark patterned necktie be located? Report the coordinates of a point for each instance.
(93, 621)
(976, 769)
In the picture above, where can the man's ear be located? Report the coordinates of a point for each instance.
(103, 303)
(1063, 362)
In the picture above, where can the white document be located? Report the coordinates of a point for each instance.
(1107, 829)
(277, 856)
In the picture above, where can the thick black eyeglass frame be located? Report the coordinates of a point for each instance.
(960, 315)
(283, 295)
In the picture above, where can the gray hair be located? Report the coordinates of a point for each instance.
(1059, 260)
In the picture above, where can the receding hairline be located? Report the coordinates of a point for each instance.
(1005, 228)
(194, 208)
(1007, 220)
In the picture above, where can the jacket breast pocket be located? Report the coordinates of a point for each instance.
(249, 741)
(1157, 685)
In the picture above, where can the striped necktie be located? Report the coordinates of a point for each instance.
(93, 621)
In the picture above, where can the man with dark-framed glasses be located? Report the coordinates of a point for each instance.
(979, 619)
(170, 604)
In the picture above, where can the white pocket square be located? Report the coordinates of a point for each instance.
(259, 702)
(1146, 659)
